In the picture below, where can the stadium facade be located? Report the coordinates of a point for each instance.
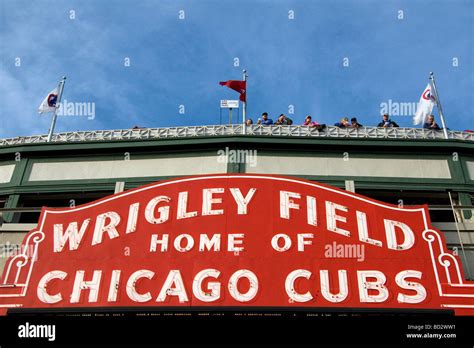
(401, 166)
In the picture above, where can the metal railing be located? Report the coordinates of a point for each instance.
(231, 130)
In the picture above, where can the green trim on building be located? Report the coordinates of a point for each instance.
(274, 145)
(12, 202)
(465, 199)
(238, 139)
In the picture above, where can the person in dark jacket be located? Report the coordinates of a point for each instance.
(430, 123)
(284, 120)
(344, 123)
(354, 123)
(387, 122)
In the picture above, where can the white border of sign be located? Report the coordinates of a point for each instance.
(427, 233)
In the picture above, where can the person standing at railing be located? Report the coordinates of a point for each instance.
(430, 123)
(283, 120)
(387, 122)
(354, 123)
(344, 123)
(310, 123)
(265, 121)
(248, 122)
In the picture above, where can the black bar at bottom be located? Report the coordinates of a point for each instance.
(226, 326)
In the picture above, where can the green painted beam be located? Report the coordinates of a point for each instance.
(446, 145)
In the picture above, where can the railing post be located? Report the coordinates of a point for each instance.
(459, 235)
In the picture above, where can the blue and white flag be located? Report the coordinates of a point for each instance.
(49, 103)
(425, 106)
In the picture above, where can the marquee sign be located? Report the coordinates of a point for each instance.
(236, 240)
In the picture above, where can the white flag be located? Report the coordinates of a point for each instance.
(425, 106)
(49, 103)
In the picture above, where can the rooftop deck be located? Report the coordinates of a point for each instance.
(233, 130)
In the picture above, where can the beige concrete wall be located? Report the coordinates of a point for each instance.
(470, 169)
(79, 170)
(6, 172)
(337, 166)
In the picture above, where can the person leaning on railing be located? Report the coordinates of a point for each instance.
(431, 124)
(387, 122)
(343, 123)
(310, 123)
(354, 123)
(283, 120)
(265, 121)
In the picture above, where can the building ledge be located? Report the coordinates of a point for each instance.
(238, 130)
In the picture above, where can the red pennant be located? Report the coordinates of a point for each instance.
(236, 85)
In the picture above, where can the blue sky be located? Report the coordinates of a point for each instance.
(177, 61)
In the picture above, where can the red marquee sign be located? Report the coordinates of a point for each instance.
(236, 240)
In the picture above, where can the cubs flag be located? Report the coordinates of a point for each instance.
(236, 85)
(49, 102)
(425, 106)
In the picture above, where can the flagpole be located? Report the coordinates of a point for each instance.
(244, 111)
(438, 103)
(55, 115)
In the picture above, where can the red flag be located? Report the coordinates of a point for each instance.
(236, 85)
